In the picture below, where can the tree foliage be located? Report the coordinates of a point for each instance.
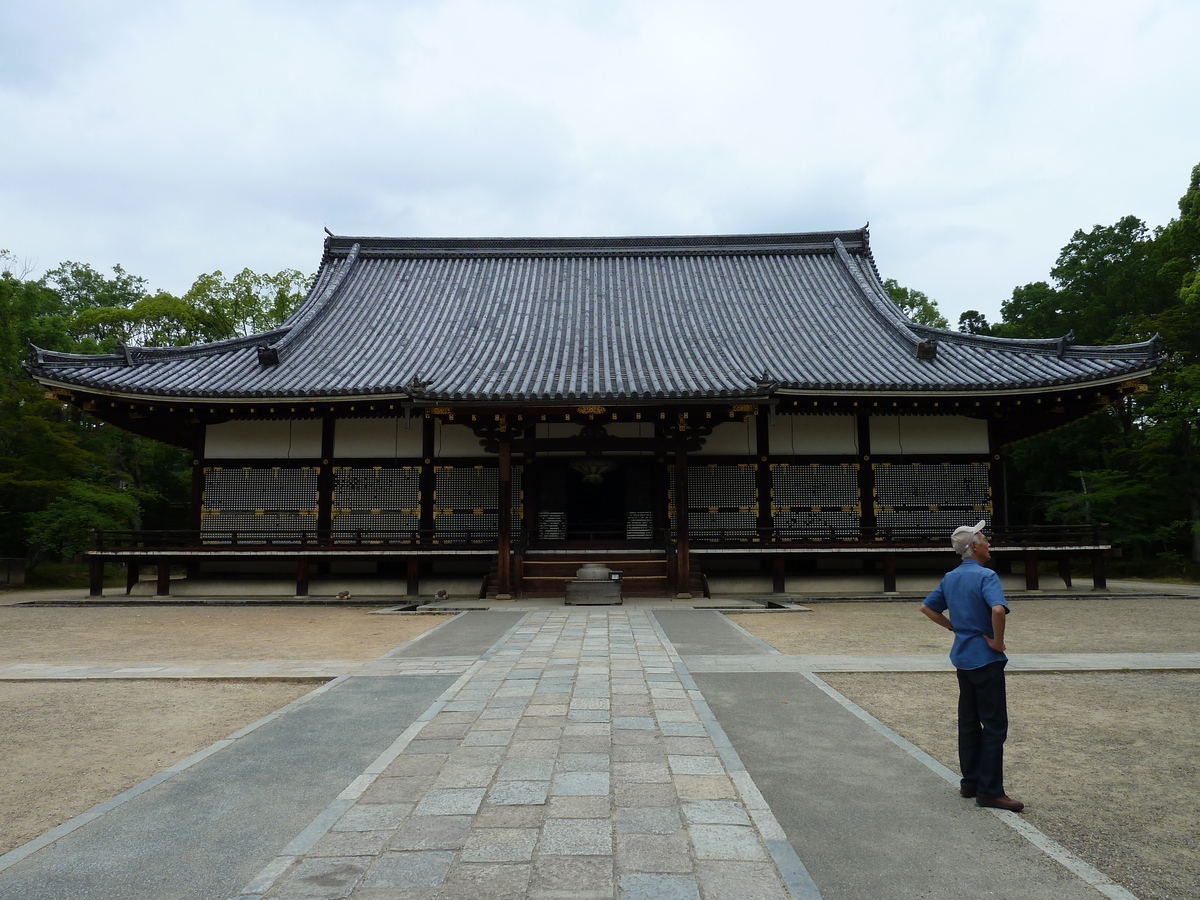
(916, 305)
(62, 472)
(1137, 464)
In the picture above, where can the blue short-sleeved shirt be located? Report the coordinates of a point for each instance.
(969, 593)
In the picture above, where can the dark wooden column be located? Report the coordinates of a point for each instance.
(762, 474)
(195, 521)
(163, 588)
(504, 521)
(1064, 569)
(683, 566)
(325, 483)
(428, 479)
(1031, 570)
(1099, 579)
(866, 478)
(889, 573)
(996, 478)
(412, 586)
(302, 577)
(95, 577)
(194, 518)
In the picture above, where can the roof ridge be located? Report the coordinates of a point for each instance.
(882, 305)
(314, 309)
(1057, 346)
(797, 242)
(132, 356)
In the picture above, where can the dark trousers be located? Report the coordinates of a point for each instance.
(982, 728)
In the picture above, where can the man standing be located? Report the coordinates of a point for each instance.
(977, 607)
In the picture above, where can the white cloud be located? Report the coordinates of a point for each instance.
(179, 138)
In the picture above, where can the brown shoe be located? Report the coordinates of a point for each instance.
(967, 790)
(1001, 802)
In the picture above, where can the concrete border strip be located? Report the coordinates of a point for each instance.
(54, 834)
(752, 637)
(791, 869)
(391, 654)
(1086, 872)
(26, 850)
(327, 818)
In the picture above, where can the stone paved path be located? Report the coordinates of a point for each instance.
(576, 761)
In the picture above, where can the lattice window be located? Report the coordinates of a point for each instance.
(815, 502)
(258, 503)
(374, 503)
(466, 504)
(722, 502)
(917, 501)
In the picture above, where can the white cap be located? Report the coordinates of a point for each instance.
(962, 537)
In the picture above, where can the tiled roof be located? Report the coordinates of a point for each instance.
(596, 318)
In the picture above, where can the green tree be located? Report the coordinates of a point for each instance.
(1137, 464)
(249, 302)
(916, 305)
(62, 472)
(973, 322)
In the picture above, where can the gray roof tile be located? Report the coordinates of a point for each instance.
(611, 318)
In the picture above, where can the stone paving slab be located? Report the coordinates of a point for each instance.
(571, 790)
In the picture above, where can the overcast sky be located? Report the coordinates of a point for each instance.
(975, 137)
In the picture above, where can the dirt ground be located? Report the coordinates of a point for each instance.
(109, 634)
(66, 746)
(1106, 762)
(1096, 625)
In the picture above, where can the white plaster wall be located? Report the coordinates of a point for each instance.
(814, 435)
(928, 434)
(630, 429)
(269, 439)
(557, 429)
(450, 439)
(730, 439)
(395, 438)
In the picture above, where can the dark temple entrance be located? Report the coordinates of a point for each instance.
(585, 501)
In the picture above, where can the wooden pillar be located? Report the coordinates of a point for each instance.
(413, 586)
(996, 480)
(683, 575)
(1064, 568)
(197, 503)
(302, 577)
(889, 573)
(325, 483)
(428, 479)
(132, 573)
(778, 573)
(866, 479)
(762, 474)
(163, 588)
(1099, 579)
(530, 487)
(1031, 570)
(95, 577)
(504, 521)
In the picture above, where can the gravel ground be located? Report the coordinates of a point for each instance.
(66, 746)
(1106, 762)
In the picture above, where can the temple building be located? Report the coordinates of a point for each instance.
(685, 409)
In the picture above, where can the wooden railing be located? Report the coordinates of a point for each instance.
(797, 537)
